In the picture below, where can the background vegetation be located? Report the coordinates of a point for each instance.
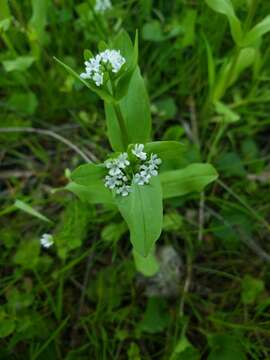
(82, 298)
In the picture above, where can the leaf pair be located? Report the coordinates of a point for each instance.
(241, 38)
(142, 209)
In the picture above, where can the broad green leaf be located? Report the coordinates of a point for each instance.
(24, 103)
(225, 347)
(30, 210)
(135, 108)
(256, 33)
(88, 174)
(184, 350)
(156, 316)
(102, 93)
(152, 31)
(38, 20)
(166, 150)
(142, 211)
(27, 254)
(148, 265)
(228, 116)
(225, 7)
(251, 289)
(97, 193)
(193, 178)
(21, 63)
(4, 9)
(7, 327)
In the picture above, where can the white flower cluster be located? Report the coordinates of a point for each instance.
(120, 176)
(111, 60)
(102, 5)
(46, 240)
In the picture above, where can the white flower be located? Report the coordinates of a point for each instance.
(46, 240)
(154, 160)
(149, 170)
(122, 160)
(113, 57)
(119, 176)
(112, 181)
(95, 67)
(141, 178)
(138, 151)
(102, 5)
(124, 190)
(113, 167)
(98, 78)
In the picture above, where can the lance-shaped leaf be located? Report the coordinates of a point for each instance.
(225, 7)
(88, 184)
(135, 109)
(257, 32)
(143, 213)
(105, 95)
(130, 52)
(193, 178)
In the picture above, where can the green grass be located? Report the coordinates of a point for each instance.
(83, 298)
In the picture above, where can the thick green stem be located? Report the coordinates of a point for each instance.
(122, 125)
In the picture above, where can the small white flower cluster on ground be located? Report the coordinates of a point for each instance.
(110, 60)
(46, 240)
(102, 5)
(122, 171)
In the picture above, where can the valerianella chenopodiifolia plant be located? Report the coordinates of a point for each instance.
(139, 174)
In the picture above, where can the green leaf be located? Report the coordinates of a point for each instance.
(251, 289)
(148, 265)
(97, 193)
(228, 116)
(225, 7)
(135, 108)
(73, 227)
(184, 350)
(113, 232)
(225, 347)
(4, 10)
(87, 54)
(156, 316)
(152, 31)
(38, 20)
(102, 93)
(256, 33)
(167, 108)
(166, 150)
(88, 184)
(23, 103)
(21, 63)
(27, 254)
(210, 65)
(230, 164)
(142, 211)
(88, 174)
(190, 179)
(30, 210)
(7, 327)
(132, 61)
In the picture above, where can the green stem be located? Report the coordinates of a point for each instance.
(122, 125)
